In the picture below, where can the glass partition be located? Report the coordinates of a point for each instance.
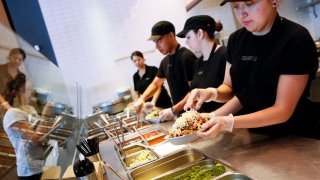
(48, 98)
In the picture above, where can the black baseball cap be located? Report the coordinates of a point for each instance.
(204, 22)
(161, 28)
(225, 1)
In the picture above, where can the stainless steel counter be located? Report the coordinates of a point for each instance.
(258, 156)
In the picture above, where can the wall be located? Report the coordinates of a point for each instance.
(93, 40)
(3, 16)
(26, 20)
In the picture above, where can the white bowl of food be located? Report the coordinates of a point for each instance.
(185, 128)
(182, 139)
(153, 117)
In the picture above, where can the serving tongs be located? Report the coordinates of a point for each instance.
(110, 136)
(103, 117)
(121, 143)
(141, 135)
(113, 170)
(54, 126)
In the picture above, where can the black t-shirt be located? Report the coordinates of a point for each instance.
(210, 73)
(258, 61)
(177, 69)
(141, 84)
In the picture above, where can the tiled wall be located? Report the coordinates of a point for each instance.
(93, 39)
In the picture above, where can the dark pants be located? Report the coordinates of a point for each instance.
(33, 177)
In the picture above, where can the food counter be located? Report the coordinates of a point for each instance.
(255, 155)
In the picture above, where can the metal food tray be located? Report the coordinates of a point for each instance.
(186, 170)
(131, 147)
(137, 139)
(150, 141)
(166, 164)
(133, 156)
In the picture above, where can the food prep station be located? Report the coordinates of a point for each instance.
(244, 155)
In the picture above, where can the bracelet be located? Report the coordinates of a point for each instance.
(4, 103)
(174, 112)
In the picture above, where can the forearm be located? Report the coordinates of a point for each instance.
(27, 132)
(4, 104)
(233, 106)
(179, 106)
(266, 117)
(152, 88)
(289, 91)
(149, 92)
(156, 95)
(224, 93)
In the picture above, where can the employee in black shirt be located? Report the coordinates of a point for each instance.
(143, 78)
(210, 67)
(271, 62)
(176, 68)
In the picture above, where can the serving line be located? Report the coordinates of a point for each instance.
(256, 155)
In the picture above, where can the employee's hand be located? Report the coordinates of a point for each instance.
(166, 115)
(216, 126)
(199, 96)
(138, 105)
(208, 115)
(149, 105)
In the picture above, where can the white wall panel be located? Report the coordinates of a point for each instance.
(88, 36)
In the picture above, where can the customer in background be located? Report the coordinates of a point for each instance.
(27, 143)
(271, 62)
(9, 72)
(144, 77)
(210, 67)
(176, 68)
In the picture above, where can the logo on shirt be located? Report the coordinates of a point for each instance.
(249, 58)
(200, 72)
(147, 78)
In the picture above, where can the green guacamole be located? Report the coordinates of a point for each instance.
(198, 173)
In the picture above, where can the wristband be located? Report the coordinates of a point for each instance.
(174, 112)
(214, 94)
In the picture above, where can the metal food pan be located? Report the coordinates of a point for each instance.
(166, 164)
(157, 140)
(234, 176)
(141, 125)
(181, 173)
(128, 159)
(130, 150)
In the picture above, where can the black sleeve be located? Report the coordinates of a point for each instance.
(162, 69)
(222, 63)
(195, 67)
(188, 62)
(230, 47)
(135, 82)
(153, 71)
(300, 55)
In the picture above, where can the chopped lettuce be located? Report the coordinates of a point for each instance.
(199, 173)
